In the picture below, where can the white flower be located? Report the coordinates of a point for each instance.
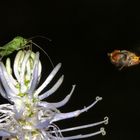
(27, 116)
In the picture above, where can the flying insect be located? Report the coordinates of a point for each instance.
(124, 58)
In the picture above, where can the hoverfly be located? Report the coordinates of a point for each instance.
(124, 58)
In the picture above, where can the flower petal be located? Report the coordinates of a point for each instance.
(34, 80)
(53, 89)
(4, 133)
(65, 100)
(48, 79)
(63, 116)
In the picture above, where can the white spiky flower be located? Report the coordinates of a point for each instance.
(27, 116)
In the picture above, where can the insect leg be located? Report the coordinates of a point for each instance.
(3, 51)
(122, 67)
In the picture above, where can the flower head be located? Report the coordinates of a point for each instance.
(27, 116)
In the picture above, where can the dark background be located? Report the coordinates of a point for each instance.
(82, 34)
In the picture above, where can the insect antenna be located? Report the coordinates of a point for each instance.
(40, 36)
(44, 52)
